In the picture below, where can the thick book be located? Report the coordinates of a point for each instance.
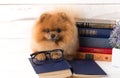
(95, 25)
(94, 56)
(94, 42)
(86, 68)
(94, 32)
(96, 50)
(52, 69)
(90, 20)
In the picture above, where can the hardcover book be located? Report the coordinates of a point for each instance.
(94, 56)
(94, 42)
(94, 32)
(52, 69)
(95, 25)
(63, 69)
(86, 68)
(96, 50)
(89, 20)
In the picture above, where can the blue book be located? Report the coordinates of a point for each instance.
(86, 68)
(94, 42)
(52, 69)
(94, 32)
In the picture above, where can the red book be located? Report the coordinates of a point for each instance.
(96, 50)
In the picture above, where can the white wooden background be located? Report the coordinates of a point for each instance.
(16, 21)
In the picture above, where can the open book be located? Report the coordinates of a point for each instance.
(61, 69)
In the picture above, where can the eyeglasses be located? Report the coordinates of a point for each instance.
(48, 56)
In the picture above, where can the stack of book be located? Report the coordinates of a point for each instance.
(94, 39)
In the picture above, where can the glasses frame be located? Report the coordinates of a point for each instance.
(47, 52)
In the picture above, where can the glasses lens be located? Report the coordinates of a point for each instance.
(56, 54)
(41, 56)
(37, 62)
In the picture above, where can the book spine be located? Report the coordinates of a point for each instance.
(94, 42)
(95, 56)
(87, 20)
(94, 32)
(96, 50)
(94, 25)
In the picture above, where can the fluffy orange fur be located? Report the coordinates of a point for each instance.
(55, 31)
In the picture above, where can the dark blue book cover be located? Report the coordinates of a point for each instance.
(94, 32)
(86, 67)
(94, 42)
(50, 67)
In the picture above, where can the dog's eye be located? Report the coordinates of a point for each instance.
(47, 30)
(58, 30)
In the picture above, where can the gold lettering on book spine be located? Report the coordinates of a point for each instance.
(95, 25)
(86, 32)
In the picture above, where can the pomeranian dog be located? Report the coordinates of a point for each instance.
(55, 30)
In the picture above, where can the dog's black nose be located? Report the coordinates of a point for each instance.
(52, 35)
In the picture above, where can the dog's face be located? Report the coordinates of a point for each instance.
(52, 27)
(53, 34)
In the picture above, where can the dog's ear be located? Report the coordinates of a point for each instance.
(63, 16)
(44, 16)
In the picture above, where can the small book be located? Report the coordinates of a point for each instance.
(52, 69)
(86, 68)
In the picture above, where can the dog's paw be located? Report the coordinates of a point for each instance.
(41, 57)
(69, 57)
(56, 55)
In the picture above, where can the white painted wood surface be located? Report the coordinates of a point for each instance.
(18, 19)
